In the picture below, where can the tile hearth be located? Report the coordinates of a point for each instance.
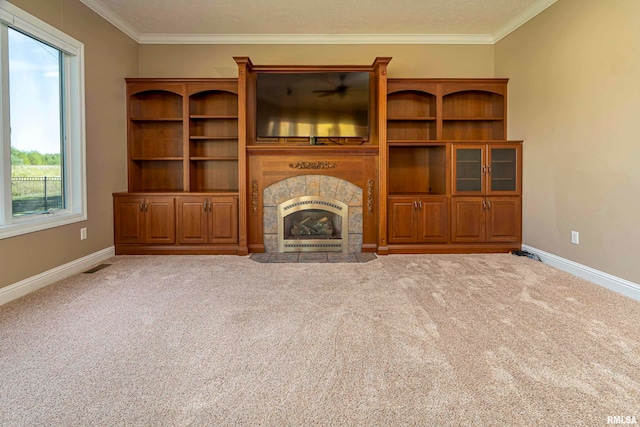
(313, 257)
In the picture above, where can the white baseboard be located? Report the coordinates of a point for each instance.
(622, 286)
(26, 286)
(31, 284)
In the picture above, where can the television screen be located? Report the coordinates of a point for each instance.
(329, 104)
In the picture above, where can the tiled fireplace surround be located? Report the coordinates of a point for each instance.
(312, 185)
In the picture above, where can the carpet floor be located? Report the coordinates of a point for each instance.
(401, 340)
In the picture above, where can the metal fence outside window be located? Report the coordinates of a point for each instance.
(36, 194)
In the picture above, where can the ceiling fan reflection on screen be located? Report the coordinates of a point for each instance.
(340, 90)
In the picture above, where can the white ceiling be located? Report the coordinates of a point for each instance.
(326, 21)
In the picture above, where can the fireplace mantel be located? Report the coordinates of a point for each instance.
(322, 150)
(356, 165)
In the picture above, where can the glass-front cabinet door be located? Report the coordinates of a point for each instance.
(468, 169)
(503, 169)
(492, 169)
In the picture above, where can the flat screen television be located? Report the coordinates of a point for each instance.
(326, 104)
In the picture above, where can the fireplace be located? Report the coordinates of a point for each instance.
(312, 223)
(317, 196)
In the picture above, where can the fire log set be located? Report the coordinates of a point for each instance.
(312, 227)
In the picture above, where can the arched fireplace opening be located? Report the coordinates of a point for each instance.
(312, 223)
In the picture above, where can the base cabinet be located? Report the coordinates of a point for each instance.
(145, 220)
(175, 224)
(418, 219)
(203, 220)
(485, 219)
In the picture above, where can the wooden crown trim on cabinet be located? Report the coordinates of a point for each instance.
(448, 180)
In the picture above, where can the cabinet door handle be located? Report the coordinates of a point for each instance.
(204, 206)
(484, 205)
(146, 207)
(484, 169)
(488, 205)
(415, 205)
(488, 169)
(141, 207)
(209, 203)
(420, 204)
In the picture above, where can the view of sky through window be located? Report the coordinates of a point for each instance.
(34, 80)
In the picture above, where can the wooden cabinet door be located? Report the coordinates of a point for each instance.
(433, 220)
(403, 220)
(193, 220)
(504, 219)
(468, 219)
(204, 220)
(128, 219)
(160, 220)
(223, 214)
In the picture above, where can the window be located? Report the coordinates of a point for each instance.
(42, 160)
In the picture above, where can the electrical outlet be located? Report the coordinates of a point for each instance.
(83, 233)
(575, 237)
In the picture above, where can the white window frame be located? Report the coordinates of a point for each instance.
(74, 125)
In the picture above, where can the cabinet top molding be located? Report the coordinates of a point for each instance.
(179, 80)
(246, 61)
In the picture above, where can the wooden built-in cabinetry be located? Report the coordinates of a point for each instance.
(453, 180)
(182, 150)
(437, 170)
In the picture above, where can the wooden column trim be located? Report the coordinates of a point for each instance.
(244, 67)
(380, 68)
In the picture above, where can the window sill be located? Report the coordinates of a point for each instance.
(32, 225)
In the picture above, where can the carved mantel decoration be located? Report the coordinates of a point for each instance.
(312, 165)
(370, 197)
(254, 197)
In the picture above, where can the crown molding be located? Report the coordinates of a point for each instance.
(101, 9)
(526, 15)
(316, 39)
(148, 38)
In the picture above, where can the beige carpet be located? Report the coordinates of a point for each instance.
(402, 340)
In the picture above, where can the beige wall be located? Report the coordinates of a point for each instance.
(574, 98)
(408, 60)
(109, 57)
